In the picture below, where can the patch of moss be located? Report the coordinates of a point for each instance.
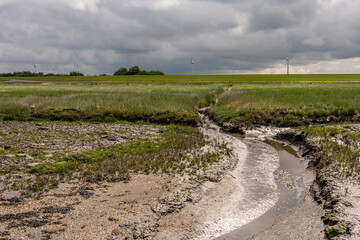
(327, 218)
(334, 231)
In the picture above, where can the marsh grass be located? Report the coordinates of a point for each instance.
(338, 148)
(106, 102)
(184, 79)
(176, 99)
(175, 151)
(289, 104)
(334, 231)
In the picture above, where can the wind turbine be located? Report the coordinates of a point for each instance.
(35, 67)
(53, 70)
(288, 65)
(193, 65)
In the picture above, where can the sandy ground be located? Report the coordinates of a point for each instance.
(341, 199)
(93, 211)
(78, 210)
(172, 207)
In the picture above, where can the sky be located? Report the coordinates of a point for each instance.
(221, 37)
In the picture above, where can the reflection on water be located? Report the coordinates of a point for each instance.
(281, 147)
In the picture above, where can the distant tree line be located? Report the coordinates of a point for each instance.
(121, 71)
(22, 74)
(32, 74)
(135, 70)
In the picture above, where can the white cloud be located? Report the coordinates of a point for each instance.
(85, 5)
(153, 4)
(343, 66)
(165, 4)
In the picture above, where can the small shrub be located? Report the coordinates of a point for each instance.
(39, 184)
(334, 231)
(327, 218)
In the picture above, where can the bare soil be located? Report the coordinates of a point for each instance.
(89, 211)
(150, 206)
(81, 210)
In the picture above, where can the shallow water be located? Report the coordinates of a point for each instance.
(248, 194)
(288, 178)
(265, 185)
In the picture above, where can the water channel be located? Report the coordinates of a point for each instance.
(266, 184)
(288, 177)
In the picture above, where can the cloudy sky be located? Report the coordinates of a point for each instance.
(222, 36)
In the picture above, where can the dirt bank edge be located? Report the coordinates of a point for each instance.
(328, 190)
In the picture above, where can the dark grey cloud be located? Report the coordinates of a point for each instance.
(281, 14)
(225, 36)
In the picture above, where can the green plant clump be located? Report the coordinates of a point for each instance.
(327, 217)
(334, 231)
(174, 151)
(345, 158)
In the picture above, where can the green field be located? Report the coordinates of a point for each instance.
(106, 102)
(246, 100)
(289, 104)
(200, 78)
(175, 99)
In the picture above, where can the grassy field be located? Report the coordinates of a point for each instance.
(289, 104)
(179, 79)
(249, 100)
(273, 102)
(106, 102)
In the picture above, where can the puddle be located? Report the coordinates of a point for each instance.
(288, 178)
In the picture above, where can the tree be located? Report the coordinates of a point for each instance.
(143, 72)
(153, 72)
(122, 71)
(134, 70)
(76, 73)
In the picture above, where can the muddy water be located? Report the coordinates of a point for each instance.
(265, 185)
(244, 195)
(288, 178)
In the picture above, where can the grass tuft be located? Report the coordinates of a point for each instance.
(290, 104)
(106, 102)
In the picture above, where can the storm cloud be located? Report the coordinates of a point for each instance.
(222, 37)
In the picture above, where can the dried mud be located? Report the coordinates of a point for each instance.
(157, 206)
(103, 210)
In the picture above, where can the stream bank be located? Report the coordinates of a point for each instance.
(331, 209)
(267, 183)
(336, 193)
